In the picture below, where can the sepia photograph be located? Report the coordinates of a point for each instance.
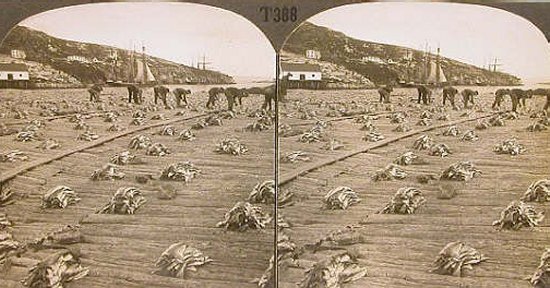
(414, 148)
(136, 148)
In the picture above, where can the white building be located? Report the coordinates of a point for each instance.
(301, 71)
(77, 58)
(18, 54)
(313, 54)
(13, 72)
(373, 59)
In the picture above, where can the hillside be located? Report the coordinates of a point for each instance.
(43, 48)
(383, 63)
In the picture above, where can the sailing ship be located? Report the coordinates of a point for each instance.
(433, 73)
(139, 71)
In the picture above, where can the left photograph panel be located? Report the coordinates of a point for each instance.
(136, 148)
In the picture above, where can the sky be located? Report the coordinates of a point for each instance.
(180, 32)
(469, 33)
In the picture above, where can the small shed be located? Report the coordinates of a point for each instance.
(301, 71)
(14, 75)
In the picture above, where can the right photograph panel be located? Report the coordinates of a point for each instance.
(413, 149)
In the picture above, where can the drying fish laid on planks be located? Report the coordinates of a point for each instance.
(455, 257)
(115, 128)
(126, 200)
(55, 271)
(342, 237)
(181, 171)
(263, 192)
(140, 142)
(340, 197)
(408, 158)
(373, 136)
(186, 135)
(452, 131)
(244, 216)
(88, 136)
(125, 158)
(179, 258)
(167, 130)
(390, 172)
(403, 127)
(333, 272)
(13, 156)
(470, 136)
(8, 246)
(538, 191)
(541, 277)
(231, 146)
(423, 142)
(441, 150)
(509, 146)
(59, 197)
(49, 144)
(109, 171)
(157, 149)
(296, 156)
(405, 201)
(333, 144)
(518, 215)
(460, 171)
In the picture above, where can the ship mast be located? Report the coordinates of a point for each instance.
(437, 67)
(144, 64)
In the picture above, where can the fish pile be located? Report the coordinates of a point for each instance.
(373, 136)
(7, 246)
(455, 257)
(199, 125)
(538, 191)
(25, 136)
(115, 128)
(81, 125)
(110, 117)
(444, 117)
(510, 115)
(482, 124)
(59, 197)
(426, 115)
(518, 215)
(407, 158)
(333, 272)
(451, 131)
(368, 126)
(6, 196)
(107, 172)
(390, 172)
(55, 271)
(167, 130)
(263, 193)
(186, 135)
(231, 146)
(340, 198)
(137, 121)
(509, 146)
(424, 122)
(126, 200)
(423, 142)
(332, 145)
(181, 171)
(179, 258)
(496, 121)
(125, 158)
(397, 117)
(49, 144)
(295, 157)
(4, 221)
(157, 149)
(403, 127)
(470, 136)
(536, 127)
(460, 171)
(159, 117)
(406, 201)
(213, 120)
(13, 156)
(244, 216)
(256, 127)
(541, 277)
(441, 150)
(315, 134)
(140, 142)
(88, 136)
